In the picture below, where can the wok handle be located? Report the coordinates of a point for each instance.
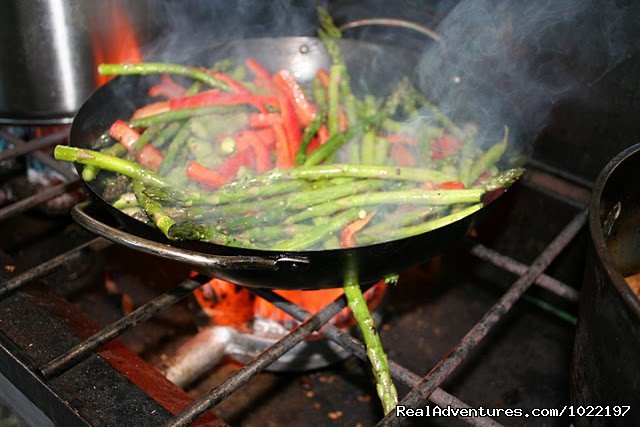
(393, 22)
(214, 262)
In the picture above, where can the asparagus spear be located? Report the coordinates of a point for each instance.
(175, 147)
(320, 232)
(154, 209)
(313, 172)
(90, 172)
(145, 68)
(188, 230)
(310, 130)
(125, 200)
(489, 158)
(375, 352)
(366, 238)
(503, 179)
(114, 164)
(185, 113)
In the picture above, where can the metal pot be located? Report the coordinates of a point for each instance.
(607, 345)
(50, 49)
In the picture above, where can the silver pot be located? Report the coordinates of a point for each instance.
(49, 51)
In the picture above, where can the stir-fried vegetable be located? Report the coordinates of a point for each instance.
(271, 163)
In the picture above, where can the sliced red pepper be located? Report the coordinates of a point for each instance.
(151, 110)
(283, 154)
(323, 134)
(215, 97)
(450, 185)
(204, 175)
(291, 125)
(402, 156)
(150, 157)
(395, 138)
(230, 167)
(444, 146)
(260, 150)
(167, 88)
(305, 110)
(262, 75)
(260, 120)
(324, 77)
(233, 84)
(315, 143)
(267, 137)
(343, 123)
(121, 132)
(348, 235)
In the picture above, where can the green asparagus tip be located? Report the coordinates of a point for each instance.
(186, 231)
(391, 279)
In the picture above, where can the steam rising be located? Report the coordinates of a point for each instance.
(533, 53)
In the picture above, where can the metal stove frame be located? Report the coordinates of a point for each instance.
(38, 377)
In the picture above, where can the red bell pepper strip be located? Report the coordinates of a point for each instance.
(348, 235)
(291, 125)
(121, 132)
(150, 157)
(214, 97)
(262, 76)
(449, 185)
(402, 156)
(151, 110)
(324, 77)
(267, 137)
(323, 134)
(305, 110)
(343, 123)
(395, 138)
(444, 146)
(260, 120)
(202, 174)
(283, 154)
(167, 88)
(233, 84)
(315, 143)
(242, 157)
(260, 150)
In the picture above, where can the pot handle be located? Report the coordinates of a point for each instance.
(393, 22)
(219, 262)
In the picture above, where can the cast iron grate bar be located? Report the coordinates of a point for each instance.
(258, 364)
(37, 199)
(455, 357)
(398, 372)
(23, 147)
(47, 267)
(511, 265)
(84, 349)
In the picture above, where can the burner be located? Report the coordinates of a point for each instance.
(236, 324)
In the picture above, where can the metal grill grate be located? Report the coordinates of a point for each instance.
(423, 389)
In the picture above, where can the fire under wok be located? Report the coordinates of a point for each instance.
(375, 69)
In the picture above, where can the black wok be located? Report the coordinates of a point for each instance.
(373, 68)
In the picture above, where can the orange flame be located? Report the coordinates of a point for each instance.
(120, 44)
(231, 305)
